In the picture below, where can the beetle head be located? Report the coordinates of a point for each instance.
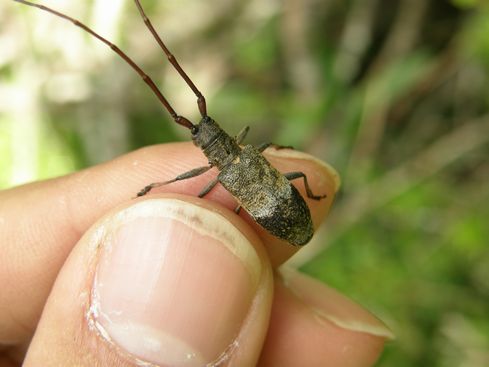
(205, 132)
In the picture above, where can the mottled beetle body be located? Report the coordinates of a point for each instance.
(272, 200)
(265, 193)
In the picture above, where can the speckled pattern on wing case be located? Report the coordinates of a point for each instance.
(268, 196)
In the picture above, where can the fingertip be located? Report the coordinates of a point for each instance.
(329, 304)
(67, 206)
(313, 325)
(151, 281)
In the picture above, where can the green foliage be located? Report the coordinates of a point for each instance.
(424, 258)
(466, 4)
(476, 35)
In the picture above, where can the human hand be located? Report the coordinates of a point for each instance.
(168, 279)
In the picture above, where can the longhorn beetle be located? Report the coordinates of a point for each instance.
(265, 193)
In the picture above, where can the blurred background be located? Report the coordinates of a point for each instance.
(393, 93)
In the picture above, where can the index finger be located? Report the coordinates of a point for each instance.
(41, 222)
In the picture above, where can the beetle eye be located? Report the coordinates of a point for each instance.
(194, 130)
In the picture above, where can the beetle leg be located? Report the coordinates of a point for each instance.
(208, 188)
(293, 175)
(192, 173)
(242, 135)
(264, 146)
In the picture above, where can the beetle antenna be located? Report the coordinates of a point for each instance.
(177, 118)
(200, 98)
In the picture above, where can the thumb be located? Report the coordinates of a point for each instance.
(171, 280)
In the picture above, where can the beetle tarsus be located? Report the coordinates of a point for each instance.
(262, 147)
(208, 188)
(242, 135)
(294, 175)
(189, 174)
(144, 191)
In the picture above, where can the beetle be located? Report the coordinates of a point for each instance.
(265, 193)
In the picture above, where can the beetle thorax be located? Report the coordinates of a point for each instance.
(217, 145)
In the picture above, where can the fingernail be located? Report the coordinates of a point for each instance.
(328, 305)
(295, 154)
(173, 284)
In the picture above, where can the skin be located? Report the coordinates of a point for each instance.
(46, 262)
